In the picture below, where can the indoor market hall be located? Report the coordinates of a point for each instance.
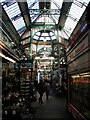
(44, 59)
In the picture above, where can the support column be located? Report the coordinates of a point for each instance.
(31, 38)
(58, 46)
(31, 44)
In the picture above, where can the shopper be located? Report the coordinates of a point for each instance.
(41, 90)
(47, 87)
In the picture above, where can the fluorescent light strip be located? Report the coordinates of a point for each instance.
(44, 58)
(2, 55)
(11, 60)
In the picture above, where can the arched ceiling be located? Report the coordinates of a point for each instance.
(26, 14)
(39, 22)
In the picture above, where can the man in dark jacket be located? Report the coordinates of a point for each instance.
(41, 90)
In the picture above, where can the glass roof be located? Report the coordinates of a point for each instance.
(14, 13)
(50, 15)
(46, 19)
(75, 13)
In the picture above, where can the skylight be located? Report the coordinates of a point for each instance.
(44, 34)
(75, 13)
(14, 13)
(50, 15)
(33, 4)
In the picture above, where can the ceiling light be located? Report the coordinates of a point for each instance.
(2, 55)
(11, 60)
(44, 58)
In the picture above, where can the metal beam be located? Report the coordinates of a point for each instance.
(11, 31)
(37, 18)
(45, 11)
(43, 26)
(64, 11)
(52, 19)
(25, 13)
(41, 13)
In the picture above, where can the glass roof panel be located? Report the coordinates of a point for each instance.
(53, 37)
(14, 13)
(55, 18)
(51, 33)
(63, 34)
(75, 13)
(45, 16)
(38, 33)
(19, 23)
(41, 38)
(12, 10)
(36, 37)
(45, 19)
(44, 34)
(48, 38)
(33, 4)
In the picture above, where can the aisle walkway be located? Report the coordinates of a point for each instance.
(54, 108)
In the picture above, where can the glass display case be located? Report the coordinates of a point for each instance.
(79, 93)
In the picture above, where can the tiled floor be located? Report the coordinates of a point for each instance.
(54, 108)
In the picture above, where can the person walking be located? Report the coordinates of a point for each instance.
(41, 90)
(47, 87)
